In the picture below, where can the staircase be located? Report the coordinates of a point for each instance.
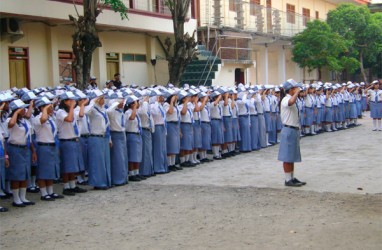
(202, 70)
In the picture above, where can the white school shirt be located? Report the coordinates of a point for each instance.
(334, 100)
(174, 117)
(83, 122)
(216, 111)
(274, 103)
(322, 100)
(234, 110)
(188, 117)
(259, 104)
(97, 121)
(132, 126)
(309, 102)
(227, 111)
(339, 98)
(252, 107)
(289, 114)
(205, 115)
(158, 113)
(4, 124)
(346, 96)
(243, 106)
(145, 115)
(17, 134)
(318, 101)
(116, 116)
(375, 95)
(44, 132)
(329, 102)
(66, 129)
(351, 97)
(300, 103)
(267, 104)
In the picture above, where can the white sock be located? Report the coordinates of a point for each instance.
(215, 150)
(16, 197)
(173, 161)
(312, 129)
(278, 136)
(379, 124)
(131, 173)
(43, 191)
(72, 184)
(49, 189)
(374, 123)
(1, 191)
(193, 157)
(80, 179)
(136, 172)
(33, 181)
(66, 185)
(8, 187)
(169, 161)
(22, 194)
(288, 176)
(182, 159)
(224, 151)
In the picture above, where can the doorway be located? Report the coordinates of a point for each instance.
(239, 76)
(18, 67)
(112, 65)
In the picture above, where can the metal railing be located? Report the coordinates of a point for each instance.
(254, 18)
(154, 6)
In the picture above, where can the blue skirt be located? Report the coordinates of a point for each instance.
(206, 136)
(255, 141)
(279, 124)
(187, 139)
(268, 123)
(289, 150)
(71, 157)
(134, 147)
(364, 103)
(262, 132)
(273, 133)
(173, 138)
(34, 164)
(235, 130)
(84, 149)
(197, 134)
(245, 132)
(217, 135)
(146, 167)
(48, 167)
(99, 162)
(159, 149)
(19, 163)
(309, 113)
(319, 115)
(359, 107)
(342, 112)
(228, 135)
(118, 158)
(328, 114)
(375, 110)
(302, 118)
(353, 111)
(2, 173)
(336, 114)
(347, 110)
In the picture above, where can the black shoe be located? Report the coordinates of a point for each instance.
(3, 209)
(172, 168)
(82, 183)
(206, 160)
(295, 180)
(68, 191)
(78, 190)
(101, 188)
(218, 158)
(33, 189)
(291, 183)
(184, 164)
(57, 196)
(178, 167)
(28, 203)
(159, 173)
(47, 198)
(134, 178)
(4, 197)
(119, 185)
(18, 205)
(142, 177)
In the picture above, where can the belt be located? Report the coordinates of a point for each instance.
(52, 144)
(218, 119)
(253, 115)
(346, 101)
(72, 139)
(206, 122)
(243, 115)
(146, 129)
(172, 122)
(94, 135)
(134, 133)
(117, 131)
(227, 116)
(85, 136)
(267, 111)
(159, 124)
(260, 113)
(292, 127)
(185, 122)
(17, 146)
(328, 107)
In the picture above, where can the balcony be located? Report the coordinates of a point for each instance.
(253, 18)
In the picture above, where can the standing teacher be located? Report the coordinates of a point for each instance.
(289, 151)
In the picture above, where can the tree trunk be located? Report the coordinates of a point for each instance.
(361, 66)
(319, 74)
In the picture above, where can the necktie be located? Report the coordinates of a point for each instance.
(122, 117)
(376, 96)
(87, 123)
(229, 110)
(177, 113)
(149, 117)
(139, 124)
(75, 127)
(208, 113)
(56, 140)
(220, 111)
(27, 134)
(247, 107)
(163, 117)
(191, 115)
(107, 133)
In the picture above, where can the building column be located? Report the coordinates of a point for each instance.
(99, 69)
(281, 65)
(151, 54)
(54, 74)
(266, 70)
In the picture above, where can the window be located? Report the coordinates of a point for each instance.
(306, 15)
(133, 57)
(254, 6)
(269, 3)
(65, 59)
(317, 15)
(232, 5)
(269, 16)
(291, 11)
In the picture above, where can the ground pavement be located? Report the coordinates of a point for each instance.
(237, 203)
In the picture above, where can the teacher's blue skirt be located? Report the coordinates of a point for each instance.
(289, 150)
(118, 158)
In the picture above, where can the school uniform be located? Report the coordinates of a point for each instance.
(329, 110)
(84, 128)
(99, 173)
(235, 124)
(197, 129)
(289, 150)
(205, 118)
(118, 152)
(227, 121)
(341, 108)
(352, 106)
(267, 113)
(309, 109)
(260, 113)
(335, 108)
(245, 123)
(217, 133)
(364, 100)
(254, 128)
(146, 167)
(2, 162)
(159, 138)
(48, 167)
(173, 129)
(358, 98)
(346, 97)
(301, 109)
(71, 158)
(133, 130)
(18, 149)
(273, 132)
(186, 121)
(375, 102)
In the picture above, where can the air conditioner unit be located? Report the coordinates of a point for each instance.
(10, 26)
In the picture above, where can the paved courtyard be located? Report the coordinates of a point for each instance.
(238, 203)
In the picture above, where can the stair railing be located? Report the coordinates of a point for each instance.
(207, 63)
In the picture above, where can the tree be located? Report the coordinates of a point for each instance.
(85, 37)
(361, 29)
(317, 46)
(184, 49)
